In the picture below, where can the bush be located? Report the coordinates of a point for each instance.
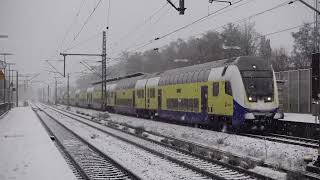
(248, 164)
(295, 175)
(104, 115)
(112, 124)
(203, 152)
(220, 141)
(139, 130)
(165, 141)
(125, 128)
(145, 135)
(234, 161)
(191, 148)
(261, 162)
(184, 135)
(216, 155)
(178, 144)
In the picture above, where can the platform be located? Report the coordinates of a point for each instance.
(303, 118)
(26, 151)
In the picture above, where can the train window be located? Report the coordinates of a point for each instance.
(215, 89)
(207, 73)
(195, 76)
(185, 77)
(160, 81)
(201, 76)
(152, 93)
(178, 90)
(171, 81)
(227, 88)
(166, 81)
(189, 77)
(175, 81)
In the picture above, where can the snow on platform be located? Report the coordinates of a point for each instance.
(296, 117)
(26, 151)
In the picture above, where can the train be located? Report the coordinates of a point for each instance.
(236, 93)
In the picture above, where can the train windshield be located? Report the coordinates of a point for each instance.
(258, 83)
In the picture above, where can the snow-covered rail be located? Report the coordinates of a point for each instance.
(90, 162)
(310, 143)
(207, 167)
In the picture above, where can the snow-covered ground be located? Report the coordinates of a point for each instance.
(139, 161)
(296, 117)
(278, 154)
(26, 151)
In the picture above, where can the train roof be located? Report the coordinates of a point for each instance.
(200, 72)
(195, 73)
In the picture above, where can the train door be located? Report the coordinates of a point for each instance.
(148, 98)
(133, 99)
(204, 99)
(159, 99)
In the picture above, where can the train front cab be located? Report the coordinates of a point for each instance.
(256, 97)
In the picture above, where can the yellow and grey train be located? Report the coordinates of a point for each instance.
(236, 92)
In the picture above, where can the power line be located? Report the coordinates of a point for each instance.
(87, 20)
(140, 25)
(82, 42)
(254, 15)
(186, 26)
(197, 21)
(72, 23)
(141, 36)
(284, 30)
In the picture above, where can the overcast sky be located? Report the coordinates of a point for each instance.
(36, 28)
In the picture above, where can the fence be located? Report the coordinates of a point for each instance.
(294, 90)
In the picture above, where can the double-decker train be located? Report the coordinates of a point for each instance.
(238, 92)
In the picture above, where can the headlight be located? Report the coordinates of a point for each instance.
(268, 99)
(252, 99)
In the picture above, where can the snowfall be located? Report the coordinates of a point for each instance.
(279, 155)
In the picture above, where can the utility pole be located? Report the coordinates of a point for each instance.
(48, 93)
(68, 89)
(43, 95)
(10, 78)
(104, 69)
(4, 80)
(55, 92)
(17, 89)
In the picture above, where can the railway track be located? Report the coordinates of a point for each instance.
(205, 166)
(305, 142)
(310, 143)
(301, 141)
(90, 163)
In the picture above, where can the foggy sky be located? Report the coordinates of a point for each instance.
(36, 27)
